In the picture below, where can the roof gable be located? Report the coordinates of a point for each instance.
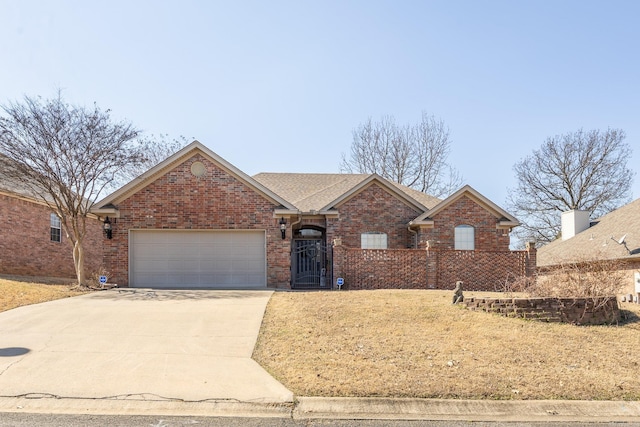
(506, 219)
(187, 152)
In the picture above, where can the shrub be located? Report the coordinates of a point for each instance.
(581, 279)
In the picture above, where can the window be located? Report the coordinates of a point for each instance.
(373, 241)
(465, 238)
(56, 236)
(308, 232)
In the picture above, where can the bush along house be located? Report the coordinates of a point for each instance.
(196, 221)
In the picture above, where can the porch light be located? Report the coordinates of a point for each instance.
(106, 227)
(283, 227)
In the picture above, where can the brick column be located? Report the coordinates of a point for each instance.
(531, 262)
(432, 268)
(338, 261)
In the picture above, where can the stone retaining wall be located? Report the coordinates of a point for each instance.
(579, 311)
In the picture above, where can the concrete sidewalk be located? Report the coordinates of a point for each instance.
(138, 345)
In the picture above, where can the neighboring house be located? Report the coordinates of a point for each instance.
(195, 220)
(614, 237)
(32, 242)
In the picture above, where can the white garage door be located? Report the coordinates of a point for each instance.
(197, 259)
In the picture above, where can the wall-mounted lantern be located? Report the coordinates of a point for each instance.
(283, 227)
(106, 227)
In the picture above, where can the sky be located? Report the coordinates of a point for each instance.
(279, 86)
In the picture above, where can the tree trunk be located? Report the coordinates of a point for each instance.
(78, 261)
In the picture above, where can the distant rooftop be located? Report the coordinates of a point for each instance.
(600, 241)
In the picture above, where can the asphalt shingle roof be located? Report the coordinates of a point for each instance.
(9, 184)
(314, 191)
(599, 241)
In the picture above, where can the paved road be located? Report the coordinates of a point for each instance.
(45, 420)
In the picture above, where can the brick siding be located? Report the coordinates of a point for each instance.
(178, 200)
(414, 269)
(373, 209)
(465, 211)
(26, 247)
(380, 268)
(479, 270)
(487, 268)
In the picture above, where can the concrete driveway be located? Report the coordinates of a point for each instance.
(147, 345)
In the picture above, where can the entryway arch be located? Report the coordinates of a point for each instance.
(310, 267)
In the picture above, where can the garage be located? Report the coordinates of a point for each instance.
(197, 259)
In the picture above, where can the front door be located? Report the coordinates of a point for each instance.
(309, 265)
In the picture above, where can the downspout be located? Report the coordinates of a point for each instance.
(296, 223)
(415, 236)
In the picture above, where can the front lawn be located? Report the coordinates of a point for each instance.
(18, 292)
(416, 344)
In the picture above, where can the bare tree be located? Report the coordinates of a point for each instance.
(412, 155)
(66, 156)
(579, 170)
(156, 148)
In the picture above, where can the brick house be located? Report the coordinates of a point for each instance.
(32, 242)
(195, 220)
(612, 240)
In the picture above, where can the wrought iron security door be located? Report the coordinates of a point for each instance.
(309, 265)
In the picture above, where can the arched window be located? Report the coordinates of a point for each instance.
(465, 238)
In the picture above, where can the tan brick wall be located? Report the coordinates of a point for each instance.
(26, 247)
(630, 269)
(217, 200)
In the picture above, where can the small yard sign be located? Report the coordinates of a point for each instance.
(103, 279)
(340, 282)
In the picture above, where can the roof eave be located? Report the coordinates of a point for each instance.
(112, 211)
(508, 224)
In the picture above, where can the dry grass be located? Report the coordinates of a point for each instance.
(416, 344)
(15, 293)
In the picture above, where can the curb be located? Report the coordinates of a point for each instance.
(207, 408)
(341, 409)
(467, 410)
